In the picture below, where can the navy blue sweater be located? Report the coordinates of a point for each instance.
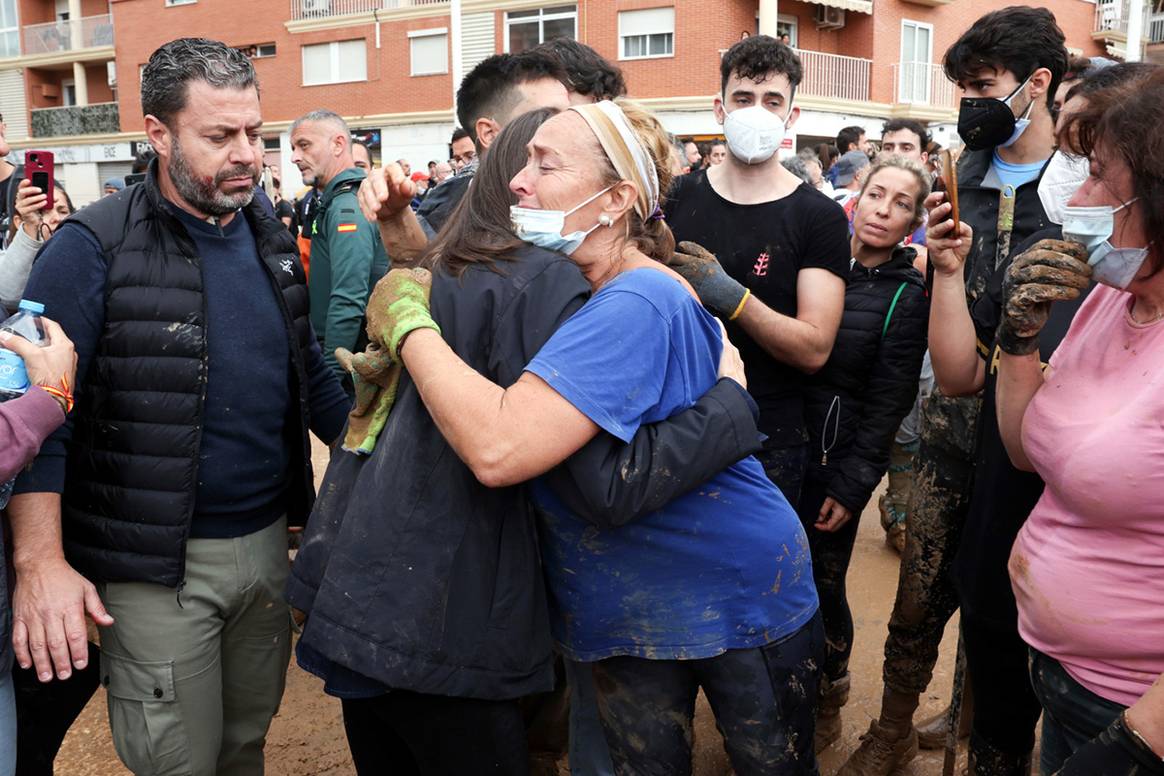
(243, 460)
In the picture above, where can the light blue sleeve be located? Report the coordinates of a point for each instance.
(610, 359)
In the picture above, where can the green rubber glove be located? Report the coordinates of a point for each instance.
(399, 306)
(720, 293)
(376, 377)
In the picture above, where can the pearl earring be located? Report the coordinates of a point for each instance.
(605, 220)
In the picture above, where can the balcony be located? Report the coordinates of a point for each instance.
(834, 77)
(1156, 28)
(68, 37)
(920, 83)
(322, 9)
(96, 119)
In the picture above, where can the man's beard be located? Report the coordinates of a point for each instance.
(207, 197)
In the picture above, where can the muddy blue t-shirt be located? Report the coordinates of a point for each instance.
(725, 566)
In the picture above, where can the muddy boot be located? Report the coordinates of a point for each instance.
(931, 732)
(891, 742)
(833, 695)
(985, 760)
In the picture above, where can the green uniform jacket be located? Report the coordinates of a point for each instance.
(347, 258)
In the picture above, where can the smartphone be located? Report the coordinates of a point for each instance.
(950, 178)
(38, 168)
(134, 177)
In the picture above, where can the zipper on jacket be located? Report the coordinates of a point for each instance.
(835, 406)
(178, 595)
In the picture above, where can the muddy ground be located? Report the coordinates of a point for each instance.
(307, 736)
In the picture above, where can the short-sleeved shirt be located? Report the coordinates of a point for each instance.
(765, 247)
(1015, 175)
(1088, 566)
(726, 566)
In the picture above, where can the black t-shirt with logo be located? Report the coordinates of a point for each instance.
(764, 247)
(1002, 496)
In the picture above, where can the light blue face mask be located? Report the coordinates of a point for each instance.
(1092, 228)
(1021, 123)
(543, 228)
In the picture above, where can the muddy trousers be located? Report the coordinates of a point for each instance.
(764, 701)
(1006, 709)
(926, 598)
(831, 553)
(194, 677)
(405, 733)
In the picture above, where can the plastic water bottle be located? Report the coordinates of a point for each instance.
(13, 376)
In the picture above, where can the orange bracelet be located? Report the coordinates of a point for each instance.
(63, 394)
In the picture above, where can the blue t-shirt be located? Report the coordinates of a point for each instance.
(726, 566)
(1015, 175)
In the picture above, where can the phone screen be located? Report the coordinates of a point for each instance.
(40, 180)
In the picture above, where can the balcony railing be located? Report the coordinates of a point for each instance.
(97, 119)
(71, 35)
(834, 76)
(1111, 17)
(1156, 29)
(920, 83)
(318, 9)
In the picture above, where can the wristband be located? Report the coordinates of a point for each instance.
(740, 307)
(1137, 737)
(61, 393)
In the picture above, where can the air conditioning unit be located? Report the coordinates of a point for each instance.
(316, 7)
(829, 18)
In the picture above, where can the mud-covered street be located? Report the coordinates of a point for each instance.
(307, 736)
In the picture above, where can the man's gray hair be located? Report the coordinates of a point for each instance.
(325, 116)
(173, 66)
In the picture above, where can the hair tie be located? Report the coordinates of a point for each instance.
(658, 214)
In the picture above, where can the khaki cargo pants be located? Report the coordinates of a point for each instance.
(194, 677)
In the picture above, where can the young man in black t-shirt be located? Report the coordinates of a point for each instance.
(775, 251)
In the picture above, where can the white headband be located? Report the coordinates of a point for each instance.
(625, 140)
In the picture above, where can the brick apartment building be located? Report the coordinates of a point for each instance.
(70, 69)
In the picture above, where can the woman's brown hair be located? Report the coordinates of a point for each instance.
(1127, 121)
(651, 236)
(479, 230)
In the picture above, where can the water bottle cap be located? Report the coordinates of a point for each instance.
(29, 306)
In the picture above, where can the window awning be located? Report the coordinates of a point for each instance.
(861, 6)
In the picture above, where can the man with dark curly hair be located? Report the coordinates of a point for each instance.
(588, 76)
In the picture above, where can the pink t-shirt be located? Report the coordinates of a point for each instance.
(1088, 566)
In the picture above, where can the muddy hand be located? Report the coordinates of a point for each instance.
(1049, 271)
(947, 246)
(398, 306)
(719, 291)
(385, 193)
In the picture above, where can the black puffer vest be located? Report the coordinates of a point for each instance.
(133, 462)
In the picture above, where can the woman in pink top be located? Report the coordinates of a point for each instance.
(1088, 566)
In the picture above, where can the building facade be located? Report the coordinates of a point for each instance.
(70, 69)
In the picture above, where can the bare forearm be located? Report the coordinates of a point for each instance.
(952, 339)
(36, 528)
(1019, 377)
(798, 343)
(403, 237)
(1146, 716)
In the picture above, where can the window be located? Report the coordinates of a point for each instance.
(265, 50)
(646, 33)
(180, 2)
(272, 144)
(786, 25)
(429, 51)
(9, 29)
(338, 62)
(526, 29)
(68, 92)
(916, 56)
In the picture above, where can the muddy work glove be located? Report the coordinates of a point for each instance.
(1114, 752)
(398, 306)
(375, 376)
(1049, 271)
(720, 293)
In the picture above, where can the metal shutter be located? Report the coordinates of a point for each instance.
(13, 104)
(477, 41)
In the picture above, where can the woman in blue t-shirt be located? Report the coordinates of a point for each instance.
(713, 591)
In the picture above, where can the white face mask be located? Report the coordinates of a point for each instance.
(1064, 175)
(1022, 122)
(1092, 228)
(543, 228)
(753, 133)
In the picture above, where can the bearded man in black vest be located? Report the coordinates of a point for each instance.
(188, 453)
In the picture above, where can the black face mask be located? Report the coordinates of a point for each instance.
(987, 122)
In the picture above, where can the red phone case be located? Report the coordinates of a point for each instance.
(38, 168)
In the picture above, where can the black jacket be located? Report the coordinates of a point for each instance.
(418, 577)
(979, 192)
(854, 405)
(132, 467)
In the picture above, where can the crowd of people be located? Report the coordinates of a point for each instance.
(604, 409)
